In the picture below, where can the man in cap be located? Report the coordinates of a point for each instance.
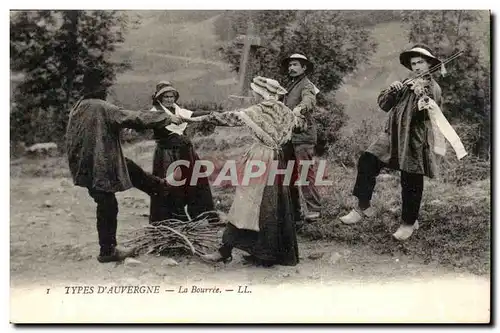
(301, 98)
(405, 143)
(96, 160)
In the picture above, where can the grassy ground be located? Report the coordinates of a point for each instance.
(454, 221)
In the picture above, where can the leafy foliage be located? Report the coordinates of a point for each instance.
(347, 149)
(335, 45)
(226, 29)
(54, 50)
(330, 119)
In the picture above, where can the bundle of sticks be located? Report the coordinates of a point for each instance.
(196, 236)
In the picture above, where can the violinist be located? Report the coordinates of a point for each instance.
(405, 144)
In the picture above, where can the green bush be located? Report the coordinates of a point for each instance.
(347, 149)
(337, 46)
(472, 167)
(330, 118)
(55, 50)
(466, 171)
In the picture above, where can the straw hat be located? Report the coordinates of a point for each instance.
(162, 84)
(418, 50)
(297, 56)
(267, 87)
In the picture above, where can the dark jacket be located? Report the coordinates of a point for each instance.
(301, 93)
(93, 146)
(407, 140)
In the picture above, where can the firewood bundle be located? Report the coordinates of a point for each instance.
(196, 236)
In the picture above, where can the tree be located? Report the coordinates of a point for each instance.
(54, 50)
(466, 87)
(336, 45)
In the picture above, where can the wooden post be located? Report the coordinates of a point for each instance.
(250, 44)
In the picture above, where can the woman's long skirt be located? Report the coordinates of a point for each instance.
(276, 240)
(198, 198)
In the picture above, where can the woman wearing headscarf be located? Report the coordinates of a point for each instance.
(260, 220)
(172, 144)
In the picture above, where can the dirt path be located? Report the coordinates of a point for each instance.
(54, 243)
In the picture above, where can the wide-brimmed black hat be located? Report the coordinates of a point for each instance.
(297, 56)
(418, 50)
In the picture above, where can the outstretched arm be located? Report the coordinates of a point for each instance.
(200, 113)
(138, 120)
(228, 118)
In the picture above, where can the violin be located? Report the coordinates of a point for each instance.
(416, 81)
(419, 85)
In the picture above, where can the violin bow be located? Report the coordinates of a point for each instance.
(433, 69)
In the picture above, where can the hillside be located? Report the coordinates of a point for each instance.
(181, 46)
(185, 52)
(360, 89)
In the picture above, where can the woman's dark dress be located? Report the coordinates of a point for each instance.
(276, 242)
(275, 239)
(171, 147)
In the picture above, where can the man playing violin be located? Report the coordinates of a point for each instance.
(405, 144)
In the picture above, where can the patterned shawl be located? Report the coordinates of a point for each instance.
(271, 122)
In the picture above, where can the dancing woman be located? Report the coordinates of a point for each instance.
(261, 217)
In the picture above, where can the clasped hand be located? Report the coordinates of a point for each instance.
(195, 119)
